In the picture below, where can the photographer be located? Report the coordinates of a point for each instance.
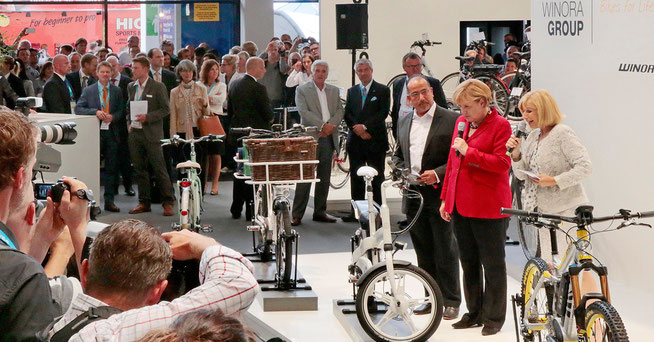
(127, 270)
(276, 68)
(26, 303)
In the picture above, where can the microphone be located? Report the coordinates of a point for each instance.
(462, 127)
(520, 132)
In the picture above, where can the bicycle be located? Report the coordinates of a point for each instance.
(340, 163)
(417, 44)
(272, 236)
(189, 188)
(551, 305)
(519, 85)
(395, 285)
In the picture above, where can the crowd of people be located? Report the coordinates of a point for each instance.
(460, 162)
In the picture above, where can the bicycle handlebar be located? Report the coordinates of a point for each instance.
(175, 140)
(624, 215)
(249, 132)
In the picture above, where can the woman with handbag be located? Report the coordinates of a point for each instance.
(217, 93)
(188, 104)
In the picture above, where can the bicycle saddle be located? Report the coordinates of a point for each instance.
(188, 165)
(523, 54)
(465, 58)
(366, 171)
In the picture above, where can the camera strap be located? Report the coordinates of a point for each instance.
(6, 240)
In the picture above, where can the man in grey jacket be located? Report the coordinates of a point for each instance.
(276, 69)
(319, 105)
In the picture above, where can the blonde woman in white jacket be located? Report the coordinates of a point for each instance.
(555, 154)
(217, 93)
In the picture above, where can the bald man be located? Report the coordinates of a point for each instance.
(57, 91)
(248, 105)
(423, 147)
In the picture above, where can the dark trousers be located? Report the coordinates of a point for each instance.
(146, 153)
(481, 248)
(242, 194)
(109, 149)
(359, 157)
(325, 154)
(230, 146)
(124, 161)
(433, 240)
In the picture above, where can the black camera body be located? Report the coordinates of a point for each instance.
(53, 190)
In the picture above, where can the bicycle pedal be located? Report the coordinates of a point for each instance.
(206, 228)
(253, 228)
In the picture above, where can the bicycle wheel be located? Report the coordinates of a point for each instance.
(284, 248)
(603, 323)
(541, 310)
(342, 161)
(376, 307)
(528, 234)
(498, 90)
(449, 84)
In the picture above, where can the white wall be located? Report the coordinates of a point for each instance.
(612, 113)
(257, 22)
(393, 25)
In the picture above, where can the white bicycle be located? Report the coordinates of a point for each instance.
(273, 238)
(389, 290)
(189, 188)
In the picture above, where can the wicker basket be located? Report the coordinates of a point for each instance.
(282, 150)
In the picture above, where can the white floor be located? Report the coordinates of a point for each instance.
(327, 274)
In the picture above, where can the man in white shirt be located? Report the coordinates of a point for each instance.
(424, 139)
(326, 116)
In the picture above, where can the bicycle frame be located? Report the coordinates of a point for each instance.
(187, 186)
(572, 257)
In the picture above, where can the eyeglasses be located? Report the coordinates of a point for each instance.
(417, 94)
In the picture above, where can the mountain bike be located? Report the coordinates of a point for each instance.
(385, 289)
(189, 188)
(551, 304)
(273, 238)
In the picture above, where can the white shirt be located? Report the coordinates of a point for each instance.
(81, 78)
(324, 108)
(298, 78)
(63, 77)
(418, 138)
(405, 107)
(139, 89)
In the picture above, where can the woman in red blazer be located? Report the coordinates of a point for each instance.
(476, 186)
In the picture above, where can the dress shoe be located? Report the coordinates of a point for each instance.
(422, 309)
(296, 221)
(324, 218)
(349, 218)
(168, 209)
(466, 322)
(111, 207)
(488, 330)
(141, 208)
(130, 192)
(236, 216)
(450, 313)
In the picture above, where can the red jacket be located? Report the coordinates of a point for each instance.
(479, 181)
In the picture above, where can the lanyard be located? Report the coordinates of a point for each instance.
(70, 90)
(137, 95)
(209, 91)
(7, 240)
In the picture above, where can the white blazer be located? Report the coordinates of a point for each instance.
(217, 96)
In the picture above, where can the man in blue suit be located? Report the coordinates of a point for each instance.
(104, 100)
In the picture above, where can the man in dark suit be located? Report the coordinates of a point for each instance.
(319, 104)
(145, 134)
(85, 76)
(124, 161)
(249, 106)
(57, 91)
(160, 74)
(366, 110)
(105, 102)
(412, 65)
(6, 65)
(7, 93)
(424, 145)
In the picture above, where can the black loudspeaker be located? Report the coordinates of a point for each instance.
(351, 26)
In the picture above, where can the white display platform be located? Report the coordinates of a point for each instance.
(327, 273)
(82, 159)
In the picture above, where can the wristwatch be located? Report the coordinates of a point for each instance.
(85, 194)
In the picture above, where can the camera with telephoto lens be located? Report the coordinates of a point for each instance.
(24, 104)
